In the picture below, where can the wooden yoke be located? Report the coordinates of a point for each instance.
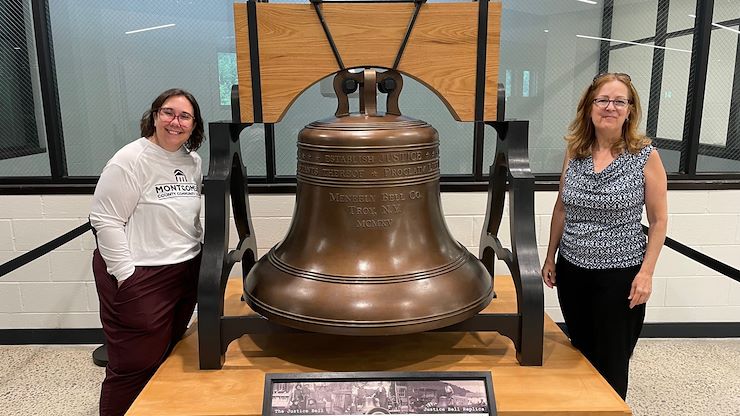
(292, 51)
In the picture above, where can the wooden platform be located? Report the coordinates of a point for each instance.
(566, 384)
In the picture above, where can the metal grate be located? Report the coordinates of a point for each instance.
(719, 141)
(18, 109)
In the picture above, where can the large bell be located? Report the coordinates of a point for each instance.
(368, 251)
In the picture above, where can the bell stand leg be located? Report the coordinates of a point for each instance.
(512, 163)
(226, 180)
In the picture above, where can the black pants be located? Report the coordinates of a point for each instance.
(600, 323)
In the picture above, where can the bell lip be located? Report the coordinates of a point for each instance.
(370, 328)
(285, 312)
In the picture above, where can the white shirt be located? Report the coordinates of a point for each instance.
(146, 208)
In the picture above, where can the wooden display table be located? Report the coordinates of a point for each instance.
(566, 383)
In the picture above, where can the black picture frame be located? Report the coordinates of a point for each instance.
(468, 393)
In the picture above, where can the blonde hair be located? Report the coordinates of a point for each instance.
(581, 133)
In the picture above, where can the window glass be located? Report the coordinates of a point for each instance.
(554, 42)
(637, 61)
(227, 75)
(634, 19)
(507, 84)
(252, 145)
(674, 94)
(718, 164)
(719, 149)
(455, 138)
(681, 15)
(489, 148)
(720, 74)
(670, 158)
(724, 10)
(114, 57)
(674, 88)
(316, 103)
(22, 144)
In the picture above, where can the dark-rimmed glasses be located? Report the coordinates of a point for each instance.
(168, 114)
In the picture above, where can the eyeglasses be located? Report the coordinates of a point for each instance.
(168, 114)
(616, 74)
(619, 103)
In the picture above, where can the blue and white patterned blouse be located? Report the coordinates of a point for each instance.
(603, 212)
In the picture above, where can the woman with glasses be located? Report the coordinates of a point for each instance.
(146, 218)
(605, 264)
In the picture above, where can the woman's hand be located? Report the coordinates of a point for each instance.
(548, 273)
(642, 287)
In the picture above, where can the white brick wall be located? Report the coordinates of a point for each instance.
(54, 291)
(58, 291)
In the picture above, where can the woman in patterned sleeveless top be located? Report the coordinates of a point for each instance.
(604, 269)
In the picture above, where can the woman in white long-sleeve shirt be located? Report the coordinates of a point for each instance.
(146, 217)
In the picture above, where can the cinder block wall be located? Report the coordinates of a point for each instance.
(57, 290)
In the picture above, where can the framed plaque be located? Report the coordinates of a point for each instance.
(373, 393)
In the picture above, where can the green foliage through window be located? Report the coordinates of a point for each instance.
(226, 75)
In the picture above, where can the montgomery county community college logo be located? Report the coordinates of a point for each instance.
(179, 176)
(181, 188)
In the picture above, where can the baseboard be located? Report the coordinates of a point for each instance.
(691, 330)
(51, 336)
(95, 335)
(686, 329)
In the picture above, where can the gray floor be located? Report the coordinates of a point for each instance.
(669, 377)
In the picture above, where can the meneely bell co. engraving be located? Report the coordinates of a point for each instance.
(368, 251)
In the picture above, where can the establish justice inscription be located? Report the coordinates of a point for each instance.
(379, 165)
(364, 158)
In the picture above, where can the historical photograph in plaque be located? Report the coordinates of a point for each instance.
(409, 395)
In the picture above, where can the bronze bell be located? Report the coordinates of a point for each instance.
(368, 251)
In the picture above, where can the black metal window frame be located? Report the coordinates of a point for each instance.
(60, 182)
(690, 147)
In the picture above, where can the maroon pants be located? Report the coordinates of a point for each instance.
(142, 321)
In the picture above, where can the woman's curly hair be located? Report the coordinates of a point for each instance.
(147, 120)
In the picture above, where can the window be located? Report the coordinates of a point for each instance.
(719, 142)
(227, 76)
(19, 115)
(73, 97)
(114, 57)
(669, 74)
